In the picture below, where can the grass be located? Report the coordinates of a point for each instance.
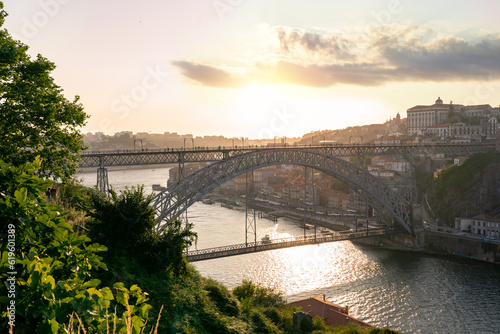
(81, 327)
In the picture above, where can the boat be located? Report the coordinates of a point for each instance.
(305, 226)
(325, 231)
(207, 201)
(266, 239)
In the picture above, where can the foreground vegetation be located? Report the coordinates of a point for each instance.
(131, 281)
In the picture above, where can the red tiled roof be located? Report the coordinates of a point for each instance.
(487, 217)
(333, 314)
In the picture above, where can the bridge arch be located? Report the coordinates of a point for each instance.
(174, 200)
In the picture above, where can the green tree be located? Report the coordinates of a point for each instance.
(37, 120)
(259, 295)
(50, 269)
(126, 224)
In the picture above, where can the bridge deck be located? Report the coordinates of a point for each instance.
(148, 157)
(260, 246)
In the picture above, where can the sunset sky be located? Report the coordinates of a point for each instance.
(257, 68)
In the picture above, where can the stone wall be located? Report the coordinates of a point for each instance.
(457, 245)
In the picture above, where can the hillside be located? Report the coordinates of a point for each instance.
(468, 189)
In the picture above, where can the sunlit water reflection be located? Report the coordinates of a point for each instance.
(410, 292)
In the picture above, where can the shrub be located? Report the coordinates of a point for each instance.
(53, 266)
(126, 223)
(220, 295)
(258, 295)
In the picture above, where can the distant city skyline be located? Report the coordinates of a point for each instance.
(261, 69)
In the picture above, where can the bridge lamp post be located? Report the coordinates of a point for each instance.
(192, 141)
(140, 140)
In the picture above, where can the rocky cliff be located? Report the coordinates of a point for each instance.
(466, 190)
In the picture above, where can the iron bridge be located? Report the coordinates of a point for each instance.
(149, 157)
(390, 206)
(260, 246)
(228, 163)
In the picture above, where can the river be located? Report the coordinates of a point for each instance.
(406, 291)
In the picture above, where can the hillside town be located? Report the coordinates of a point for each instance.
(295, 187)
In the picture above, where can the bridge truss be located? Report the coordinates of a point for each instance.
(142, 157)
(173, 201)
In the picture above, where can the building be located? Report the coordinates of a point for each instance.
(491, 128)
(460, 159)
(388, 140)
(480, 110)
(422, 119)
(486, 225)
(333, 314)
(419, 118)
(456, 130)
(481, 225)
(389, 164)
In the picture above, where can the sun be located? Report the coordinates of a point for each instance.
(258, 98)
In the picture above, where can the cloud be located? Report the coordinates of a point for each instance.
(379, 56)
(445, 59)
(324, 76)
(331, 45)
(208, 75)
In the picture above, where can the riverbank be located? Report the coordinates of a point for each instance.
(442, 244)
(427, 241)
(272, 211)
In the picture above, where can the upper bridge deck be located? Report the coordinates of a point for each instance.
(211, 154)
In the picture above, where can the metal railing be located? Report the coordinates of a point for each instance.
(260, 246)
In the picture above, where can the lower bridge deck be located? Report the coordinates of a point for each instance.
(260, 246)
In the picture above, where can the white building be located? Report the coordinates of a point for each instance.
(480, 110)
(492, 127)
(456, 130)
(419, 118)
(480, 225)
(390, 164)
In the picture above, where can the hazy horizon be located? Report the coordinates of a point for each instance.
(261, 69)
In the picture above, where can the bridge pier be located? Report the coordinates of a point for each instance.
(250, 221)
(102, 180)
(417, 223)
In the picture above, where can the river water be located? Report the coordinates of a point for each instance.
(406, 291)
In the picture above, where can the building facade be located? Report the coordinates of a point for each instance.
(483, 225)
(434, 119)
(419, 118)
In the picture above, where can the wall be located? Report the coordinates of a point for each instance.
(468, 247)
